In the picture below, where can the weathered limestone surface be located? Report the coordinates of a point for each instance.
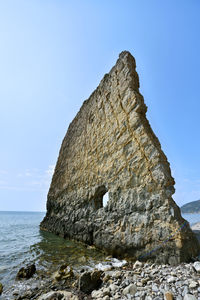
(110, 146)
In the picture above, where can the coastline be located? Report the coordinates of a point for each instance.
(119, 279)
(140, 281)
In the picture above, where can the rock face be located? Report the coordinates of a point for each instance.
(110, 147)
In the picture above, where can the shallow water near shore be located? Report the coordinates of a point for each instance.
(22, 242)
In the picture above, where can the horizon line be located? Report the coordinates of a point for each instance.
(23, 211)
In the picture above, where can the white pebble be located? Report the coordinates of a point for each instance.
(189, 297)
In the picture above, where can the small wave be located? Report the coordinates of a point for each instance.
(118, 263)
(102, 266)
(112, 262)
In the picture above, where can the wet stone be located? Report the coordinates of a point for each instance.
(65, 272)
(26, 272)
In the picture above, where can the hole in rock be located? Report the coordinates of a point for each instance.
(105, 199)
(101, 197)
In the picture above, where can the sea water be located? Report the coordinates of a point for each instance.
(22, 242)
(18, 232)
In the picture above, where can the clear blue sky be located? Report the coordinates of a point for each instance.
(53, 55)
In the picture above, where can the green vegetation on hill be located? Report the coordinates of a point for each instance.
(191, 207)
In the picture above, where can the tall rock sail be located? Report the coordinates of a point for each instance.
(110, 147)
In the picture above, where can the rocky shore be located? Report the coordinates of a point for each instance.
(140, 281)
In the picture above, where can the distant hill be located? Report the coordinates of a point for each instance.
(191, 207)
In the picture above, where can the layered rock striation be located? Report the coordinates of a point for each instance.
(110, 147)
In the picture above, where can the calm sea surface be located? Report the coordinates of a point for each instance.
(21, 242)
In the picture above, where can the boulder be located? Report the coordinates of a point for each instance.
(65, 272)
(89, 281)
(26, 272)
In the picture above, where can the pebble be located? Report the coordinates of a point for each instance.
(117, 274)
(155, 288)
(103, 292)
(189, 297)
(117, 296)
(96, 294)
(144, 282)
(106, 291)
(139, 284)
(196, 265)
(154, 272)
(185, 290)
(171, 279)
(15, 293)
(193, 284)
(131, 289)
(57, 295)
(168, 296)
(113, 287)
(137, 264)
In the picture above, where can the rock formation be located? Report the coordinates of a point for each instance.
(110, 147)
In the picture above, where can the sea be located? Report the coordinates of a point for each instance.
(22, 243)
